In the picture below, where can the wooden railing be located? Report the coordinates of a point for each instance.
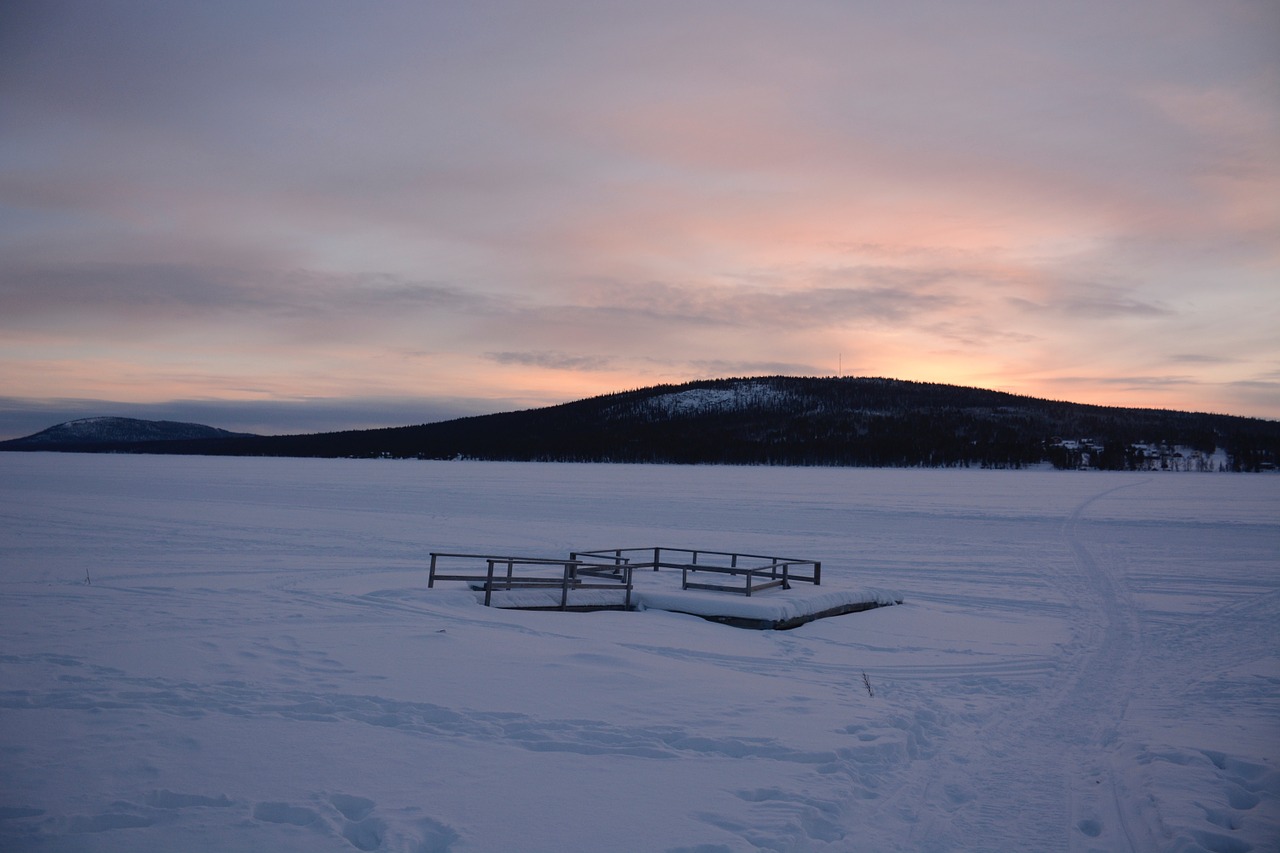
(754, 578)
(506, 573)
(723, 562)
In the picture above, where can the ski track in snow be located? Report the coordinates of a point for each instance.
(256, 664)
(1079, 710)
(995, 791)
(1089, 800)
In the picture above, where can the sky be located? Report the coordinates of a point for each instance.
(299, 216)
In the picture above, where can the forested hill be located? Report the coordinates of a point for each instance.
(798, 421)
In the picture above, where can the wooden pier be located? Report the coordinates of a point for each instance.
(709, 584)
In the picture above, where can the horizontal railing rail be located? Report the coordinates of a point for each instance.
(670, 558)
(510, 572)
(777, 574)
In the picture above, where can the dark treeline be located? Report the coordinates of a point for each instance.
(787, 421)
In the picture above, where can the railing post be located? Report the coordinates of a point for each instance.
(656, 557)
(817, 574)
(488, 584)
(431, 578)
(564, 589)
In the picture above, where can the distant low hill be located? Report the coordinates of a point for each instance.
(97, 433)
(780, 420)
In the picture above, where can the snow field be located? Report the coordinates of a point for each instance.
(1084, 661)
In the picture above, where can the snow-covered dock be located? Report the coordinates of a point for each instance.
(778, 609)
(743, 590)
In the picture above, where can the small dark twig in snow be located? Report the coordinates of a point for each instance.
(866, 682)
(86, 577)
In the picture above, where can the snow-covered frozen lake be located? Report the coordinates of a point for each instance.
(1084, 661)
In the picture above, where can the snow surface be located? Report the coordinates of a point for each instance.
(1085, 661)
(738, 396)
